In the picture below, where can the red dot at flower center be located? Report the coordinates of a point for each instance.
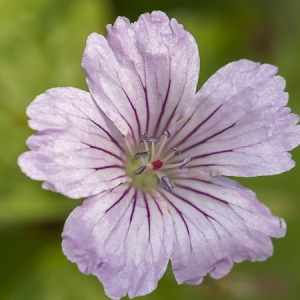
(157, 164)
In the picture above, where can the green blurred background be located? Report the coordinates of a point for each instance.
(41, 43)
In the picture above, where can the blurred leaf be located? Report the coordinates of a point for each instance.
(41, 46)
(40, 271)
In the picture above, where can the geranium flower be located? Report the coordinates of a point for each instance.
(150, 154)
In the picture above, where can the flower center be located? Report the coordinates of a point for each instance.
(152, 171)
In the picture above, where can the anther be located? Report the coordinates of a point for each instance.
(187, 160)
(167, 133)
(176, 151)
(139, 171)
(168, 185)
(141, 154)
(153, 139)
(143, 137)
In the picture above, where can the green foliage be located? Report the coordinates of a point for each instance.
(41, 43)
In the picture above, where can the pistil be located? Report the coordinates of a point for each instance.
(157, 164)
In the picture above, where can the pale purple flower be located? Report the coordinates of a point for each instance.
(150, 153)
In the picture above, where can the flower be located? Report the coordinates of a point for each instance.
(149, 153)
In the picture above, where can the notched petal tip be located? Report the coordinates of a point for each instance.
(156, 16)
(223, 223)
(76, 145)
(240, 125)
(281, 229)
(148, 61)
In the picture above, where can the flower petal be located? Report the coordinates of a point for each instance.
(240, 125)
(124, 237)
(217, 222)
(77, 151)
(140, 70)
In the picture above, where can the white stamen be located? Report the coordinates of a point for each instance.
(176, 152)
(180, 165)
(167, 135)
(143, 140)
(153, 140)
(153, 151)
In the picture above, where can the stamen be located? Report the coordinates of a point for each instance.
(139, 171)
(143, 137)
(153, 139)
(178, 165)
(176, 151)
(187, 160)
(169, 186)
(152, 150)
(167, 133)
(172, 184)
(141, 154)
(161, 146)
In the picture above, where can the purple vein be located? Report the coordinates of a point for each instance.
(100, 110)
(157, 205)
(110, 136)
(104, 150)
(179, 213)
(119, 200)
(201, 211)
(107, 167)
(162, 109)
(198, 192)
(135, 114)
(133, 209)
(207, 216)
(208, 138)
(199, 125)
(212, 153)
(148, 217)
(147, 108)
(173, 112)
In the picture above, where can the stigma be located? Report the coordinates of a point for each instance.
(157, 164)
(151, 158)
